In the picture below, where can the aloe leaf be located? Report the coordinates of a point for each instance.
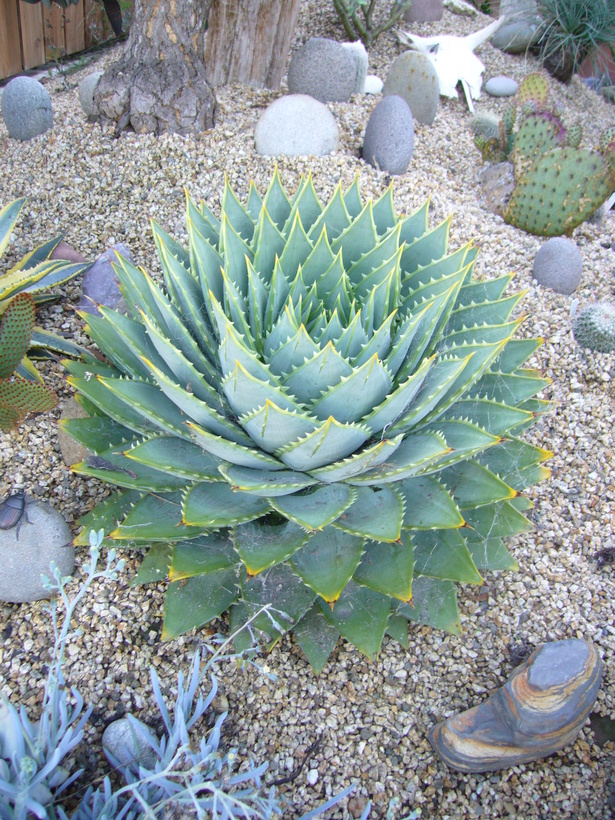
(247, 394)
(93, 389)
(328, 443)
(264, 482)
(355, 395)
(232, 209)
(387, 568)
(227, 450)
(415, 224)
(487, 290)
(261, 545)
(353, 339)
(217, 505)
(376, 513)
(473, 485)
(487, 313)
(176, 457)
(507, 388)
(511, 459)
(272, 427)
(427, 248)
(426, 277)
(316, 637)
(201, 556)
(306, 204)
(515, 353)
(352, 199)
(359, 463)
(297, 250)
(155, 565)
(107, 514)
(115, 468)
(428, 505)
(334, 217)
(416, 452)
(317, 508)
(358, 238)
(361, 615)
(490, 555)
(123, 339)
(203, 220)
(479, 334)
(156, 517)
(149, 401)
(97, 433)
(276, 201)
(328, 561)
(254, 202)
(384, 214)
(207, 262)
(397, 628)
(317, 375)
(257, 306)
(270, 245)
(495, 521)
(493, 417)
(443, 554)
(397, 403)
(434, 603)
(294, 351)
(421, 338)
(196, 601)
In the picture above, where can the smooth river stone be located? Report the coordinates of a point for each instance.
(539, 710)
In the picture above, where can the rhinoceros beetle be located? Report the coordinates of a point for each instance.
(12, 509)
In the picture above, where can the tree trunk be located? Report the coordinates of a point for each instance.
(248, 41)
(160, 82)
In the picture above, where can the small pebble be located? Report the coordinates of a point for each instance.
(501, 87)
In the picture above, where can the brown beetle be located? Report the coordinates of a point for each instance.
(12, 509)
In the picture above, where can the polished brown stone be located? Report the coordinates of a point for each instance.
(539, 710)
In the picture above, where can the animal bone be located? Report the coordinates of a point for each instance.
(453, 58)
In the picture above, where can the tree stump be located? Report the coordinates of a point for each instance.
(160, 83)
(248, 41)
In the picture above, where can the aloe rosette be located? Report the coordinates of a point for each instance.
(320, 410)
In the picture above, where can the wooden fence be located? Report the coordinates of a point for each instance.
(31, 35)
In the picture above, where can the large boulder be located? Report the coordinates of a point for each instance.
(26, 108)
(389, 136)
(26, 550)
(296, 124)
(324, 69)
(413, 77)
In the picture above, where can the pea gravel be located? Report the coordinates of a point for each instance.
(372, 718)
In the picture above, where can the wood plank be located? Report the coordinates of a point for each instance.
(10, 52)
(32, 40)
(97, 27)
(54, 33)
(74, 34)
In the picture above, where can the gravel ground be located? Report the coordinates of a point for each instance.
(372, 718)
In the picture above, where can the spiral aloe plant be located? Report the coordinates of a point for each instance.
(320, 410)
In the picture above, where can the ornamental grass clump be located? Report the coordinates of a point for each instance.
(320, 410)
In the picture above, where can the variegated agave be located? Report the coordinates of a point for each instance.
(319, 411)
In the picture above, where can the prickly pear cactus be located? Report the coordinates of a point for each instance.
(533, 89)
(559, 192)
(20, 392)
(574, 135)
(594, 327)
(537, 134)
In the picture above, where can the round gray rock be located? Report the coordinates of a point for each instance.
(26, 108)
(296, 124)
(361, 59)
(324, 69)
(501, 86)
(389, 136)
(516, 37)
(558, 265)
(127, 741)
(26, 551)
(86, 92)
(413, 77)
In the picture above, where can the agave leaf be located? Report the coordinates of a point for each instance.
(376, 513)
(473, 485)
(296, 251)
(155, 565)
(329, 442)
(217, 505)
(264, 482)
(45, 275)
(397, 403)
(429, 505)
(415, 225)
(361, 615)
(327, 368)
(247, 394)
(8, 219)
(515, 353)
(272, 427)
(262, 545)
(487, 290)
(27, 370)
(427, 248)
(511, 389)
(317, 508)
(359, 463)
(414, 453)
(306, 204)
(384, 212)
(156, 517)
(358, 238)
(491, 555)
(201, 556)
(106, 515)
(424, 276)
(228, 450)
(194, 602)
(328, 561)
(334, 217)
(354, 396)
(316, 637)
(434, 603)
(44, 340)
(397, 628)
(174, 456)
(387, 568)
(296, 350)
(443, 554)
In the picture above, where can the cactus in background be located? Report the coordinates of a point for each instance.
(19, 394)
(537, 134)
(594, 327)
(560, 191)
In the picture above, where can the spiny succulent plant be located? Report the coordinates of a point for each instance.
(320, 410)
(594, 327)
(20, 392)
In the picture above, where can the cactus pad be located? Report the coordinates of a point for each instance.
(18, 397)
(15, 332)
(594, 327)
(574, 135)
(533, 89)
(537, 134)
(560, 190)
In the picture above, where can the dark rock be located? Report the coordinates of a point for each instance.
(413, 77)
(296, 124)
(558, 265)
(324, 69)
(26, 108)
(101, 285)
(539, 710)
(389, 136)
(26, 550)
(424, 11)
